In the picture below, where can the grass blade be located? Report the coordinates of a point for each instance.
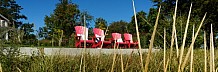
(184, 39)
(213, 57)
(0, 67)
(152, 41)
(189, 50)
(137, 32)
(177, 48)
(191, 63)
(212, 68)
(165, 68)
(115, 55)
(205, 52)
(121, 60)
(173, 32)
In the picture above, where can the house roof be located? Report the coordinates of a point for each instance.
(4, 18)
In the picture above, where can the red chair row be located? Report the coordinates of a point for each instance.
(99, 40)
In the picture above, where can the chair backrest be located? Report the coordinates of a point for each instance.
(99, 33)
(128, 37)
(80, 31)
(117, 37)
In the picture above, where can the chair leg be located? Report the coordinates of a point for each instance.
(129, 45)
(116, 45)
(137, 46)
(80, 45)
(96, 45)
(77, 44)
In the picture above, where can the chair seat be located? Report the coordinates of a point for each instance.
(87, 41)
(133, 43)
(107, 42)
(121, 43)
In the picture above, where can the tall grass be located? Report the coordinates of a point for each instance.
(86, 62)
(131, 63)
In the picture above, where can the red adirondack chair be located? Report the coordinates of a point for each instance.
(118, 40)
(128, 39)
(99, 38)
(81, 37)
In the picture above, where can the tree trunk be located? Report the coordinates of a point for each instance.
(52, 40)
(60, 40)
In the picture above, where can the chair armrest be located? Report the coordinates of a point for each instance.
(126, 41)
(77, 37)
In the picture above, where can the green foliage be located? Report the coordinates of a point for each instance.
(63, 19)
(142, 24)
(9, 51)
(27, 28)
(84, 18)
(199, 8)
(145, 25)
(118, 27)
(60, 25)
(101, 23)
(30, 39)
(11, 10)
(43, 33)
(144, 40)
(9, 58)
(72, 41)
(45, 43)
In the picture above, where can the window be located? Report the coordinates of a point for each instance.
(3, 23)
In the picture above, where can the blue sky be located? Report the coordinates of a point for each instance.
(110, 10)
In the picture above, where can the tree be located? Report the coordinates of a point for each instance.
(29, 37)
(27, 28)
(118, 27)
(199, 8)
(43, 33)
(61, 23)
(84, 18)
(101, 23)
(11, 10)
(143, 27)
(142, 24)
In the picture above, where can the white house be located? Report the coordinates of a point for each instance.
(4, 22)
